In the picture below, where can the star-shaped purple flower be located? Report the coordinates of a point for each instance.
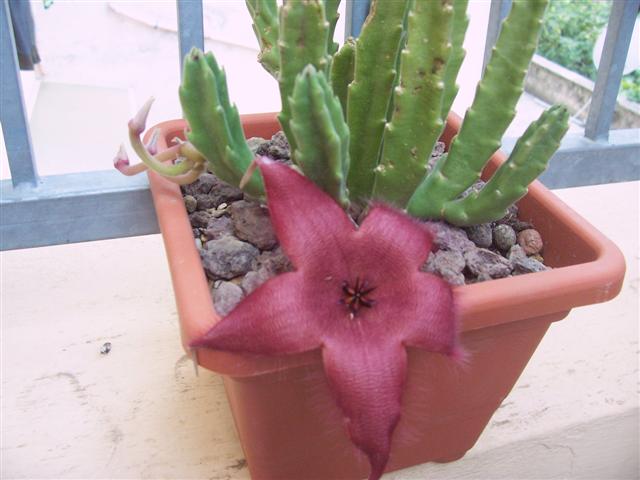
(356, 293)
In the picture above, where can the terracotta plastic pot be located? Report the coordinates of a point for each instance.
(288, 422)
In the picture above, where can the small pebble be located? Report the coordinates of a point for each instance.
(251, 223)
(516, 252)
(448, 237)
(277, 148)
(448, 260)
(530, 241)
(191, 203)
(486, 264)
(481, 235)
(205, 201)
(105, 349)
(203, 184)
(210, 191)
(218, 227)
(254, 279)
(226, 296)
(504, 237)
(273, 261)
(527, 265)
(199, 219)
(254, 143)
(227, 257)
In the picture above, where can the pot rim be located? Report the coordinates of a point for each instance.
(480, 305)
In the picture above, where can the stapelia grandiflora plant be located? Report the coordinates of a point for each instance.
(362, 121)
(357, 293)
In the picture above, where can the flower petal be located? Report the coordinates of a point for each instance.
(432, 321)
(366, 378)
(272, 320)
(309, 224)
(394, 233)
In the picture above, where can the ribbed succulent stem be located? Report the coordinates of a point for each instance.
(264, 14)
(495, 99)
(509, 183)
(216, 131)
(370, 92)
(304, 33)
(417, 102)
(458, 30)
(402, 44)
(331, 14)
(322, 136)
(342, 71)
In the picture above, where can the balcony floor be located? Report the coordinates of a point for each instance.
(140, 412)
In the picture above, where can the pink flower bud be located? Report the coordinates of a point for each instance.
(138, 123)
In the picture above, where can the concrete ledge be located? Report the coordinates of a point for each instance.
(140, 412)
(555, 84)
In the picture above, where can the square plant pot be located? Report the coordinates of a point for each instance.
(286, 417)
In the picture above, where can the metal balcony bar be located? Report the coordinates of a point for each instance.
(98, 205)
(13, 116)
(190, 27)
(356, 12)
(497, 13)
(582, 161)
(76, 207)
(616, 45)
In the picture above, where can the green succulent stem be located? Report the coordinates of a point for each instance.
(458, 30)
(509, 183)
(342, 71)
(370, 92)
(417, 102)
(264, 14)
(495, 99)
(216, 131)
(331, 14)
(303, 39)
(401, 46)
(156, 163)
(322, 136)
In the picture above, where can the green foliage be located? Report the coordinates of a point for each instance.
(631, 86)
(569, 33)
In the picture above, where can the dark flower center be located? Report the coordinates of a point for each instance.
(356, 295)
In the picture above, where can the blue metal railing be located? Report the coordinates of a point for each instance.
(616, 46)
(50, 210)
(13, 116)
